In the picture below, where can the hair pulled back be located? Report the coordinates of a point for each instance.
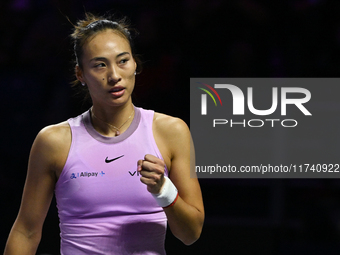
(89, 27)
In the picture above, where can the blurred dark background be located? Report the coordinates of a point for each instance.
(178, 40)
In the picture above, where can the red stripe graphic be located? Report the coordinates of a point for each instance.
(213, 91)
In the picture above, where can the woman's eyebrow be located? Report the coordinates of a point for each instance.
(123, 53)
(98, 59)
(104, 59)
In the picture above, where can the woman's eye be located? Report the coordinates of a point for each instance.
(100, 65)
(123, 61)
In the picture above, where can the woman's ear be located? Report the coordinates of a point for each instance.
(79, 74)
(135, 65)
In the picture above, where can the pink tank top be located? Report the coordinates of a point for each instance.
(103, 206)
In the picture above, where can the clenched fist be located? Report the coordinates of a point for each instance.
(152, 172)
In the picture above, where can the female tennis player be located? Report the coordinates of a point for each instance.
(120, 173)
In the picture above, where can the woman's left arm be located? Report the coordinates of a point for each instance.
(186, 215)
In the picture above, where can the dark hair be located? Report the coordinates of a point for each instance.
(90, 26)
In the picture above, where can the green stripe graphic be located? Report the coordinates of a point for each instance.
(209, 95)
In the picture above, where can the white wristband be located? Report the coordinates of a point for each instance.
(168, 194)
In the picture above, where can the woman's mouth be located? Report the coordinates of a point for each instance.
(117, 91)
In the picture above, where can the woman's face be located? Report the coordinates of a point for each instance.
(108, 69)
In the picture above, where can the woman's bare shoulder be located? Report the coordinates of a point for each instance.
(54, 138)
(55, 133)
(169, 125)
(50, 148)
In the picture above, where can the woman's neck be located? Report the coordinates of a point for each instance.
(112, 121)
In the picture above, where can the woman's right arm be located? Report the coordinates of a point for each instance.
(47, 157)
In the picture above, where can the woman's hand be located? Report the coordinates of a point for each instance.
(152, 171)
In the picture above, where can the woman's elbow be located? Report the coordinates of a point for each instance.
(191, 238)
(194, 234)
